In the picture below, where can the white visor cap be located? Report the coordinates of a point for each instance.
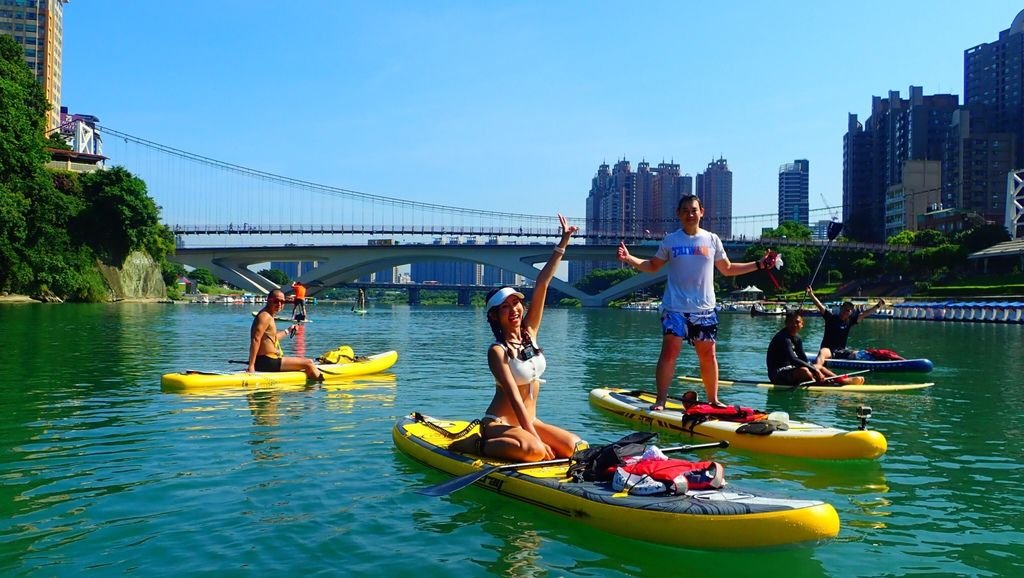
(503, 294)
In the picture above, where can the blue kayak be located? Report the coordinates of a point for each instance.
(898, 365)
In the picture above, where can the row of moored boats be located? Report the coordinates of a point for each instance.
(977, 311)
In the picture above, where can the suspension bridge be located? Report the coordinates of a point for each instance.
(227, 217)
(208, 202)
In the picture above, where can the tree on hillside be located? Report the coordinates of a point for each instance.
(203, 276)
(600, 279)
(901, 238)
(54, 223)
(276, 276)
(939, 259)
(23, 110)
(22, 156)
(865, 266)
(929, 238)
(37, 252)
(983, 237)
(56, 141)
(789, 230)
(120, 217)
(796, 270)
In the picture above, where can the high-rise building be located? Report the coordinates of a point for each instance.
(658, 191)
(917, 193)
(819, 230)
(987, 138)
(978, 157)
(714, 187)
(898, 130)
(623, 203)
(447, 272)
(293, 269)
(37, 25)
(794, 191)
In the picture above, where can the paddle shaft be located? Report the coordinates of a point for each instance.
(811, 382)
(454, 485)
(832, 234)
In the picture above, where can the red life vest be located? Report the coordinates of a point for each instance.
(883, 354)
(698, 475)
(697, 411)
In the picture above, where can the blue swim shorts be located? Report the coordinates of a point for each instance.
(701, 326)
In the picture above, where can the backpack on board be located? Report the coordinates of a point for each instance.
(598, 463)
(343, 354)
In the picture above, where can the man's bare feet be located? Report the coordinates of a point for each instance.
(471, 444)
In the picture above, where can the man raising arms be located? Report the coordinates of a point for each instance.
(688, 306)
(837, 328)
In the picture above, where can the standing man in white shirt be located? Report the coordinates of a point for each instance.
(688, 306)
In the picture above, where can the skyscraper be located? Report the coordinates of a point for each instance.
(794, 190)
(623, 203)
(37, 25)
(611, 212)
(898, 130)
(714, 187)
(658, 191)
(987, 140)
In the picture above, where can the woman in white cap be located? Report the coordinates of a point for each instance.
(510, 429)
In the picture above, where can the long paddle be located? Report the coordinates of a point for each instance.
(454, 485)
(834, 228)
(812, 382)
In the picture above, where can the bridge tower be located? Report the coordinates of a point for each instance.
(1015, 203)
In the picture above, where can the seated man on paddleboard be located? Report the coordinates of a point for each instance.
(265, 352)
(511, 429)
(787, 363)
(837, 328)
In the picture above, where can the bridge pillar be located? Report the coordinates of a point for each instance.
(465, 296)
(414, 295)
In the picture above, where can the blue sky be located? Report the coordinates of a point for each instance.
(512, 106)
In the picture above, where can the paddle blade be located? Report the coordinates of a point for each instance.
(458, 483)
(834, 228)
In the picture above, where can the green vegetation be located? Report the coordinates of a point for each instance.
(976, 286)
(276, 276)
(798, 262)
(600, 279)
(202, 276)
(439, 297)
(54, 225)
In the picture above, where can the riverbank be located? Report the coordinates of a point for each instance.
(13, 298)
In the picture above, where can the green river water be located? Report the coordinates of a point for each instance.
(103, 474)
